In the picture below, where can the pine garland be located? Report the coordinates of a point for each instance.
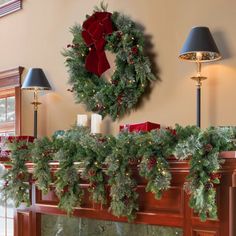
(123, 185)
(42, 153)
(205, 146)
(17, 180)
(67, 181)
(130, 79)
(83, 156)
(96, 150)
(155, 148)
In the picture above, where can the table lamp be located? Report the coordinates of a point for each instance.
(36, 80)
(199, 47)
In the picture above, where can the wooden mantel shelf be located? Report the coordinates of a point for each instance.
(172, 210)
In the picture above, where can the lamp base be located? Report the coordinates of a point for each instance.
(36, 104)
(199, 79)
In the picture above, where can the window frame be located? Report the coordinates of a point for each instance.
(10, 85)
(10, 7)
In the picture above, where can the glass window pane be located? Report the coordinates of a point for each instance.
(2, 211)
(10, 227)
(10, 134)
(2, 227)
(10, 108)
(2, 109)
(10, 209)
(3, 1)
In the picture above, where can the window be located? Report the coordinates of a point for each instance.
(9, 6)
(6, 219)
(7, 112)
(10, 122)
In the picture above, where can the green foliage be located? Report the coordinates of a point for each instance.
(128, 82)
(42, 153)
(123, 185)
(17, 186)
(91, 158)
(67, 181)
(204, 147)
(97, 149)
(154, 148)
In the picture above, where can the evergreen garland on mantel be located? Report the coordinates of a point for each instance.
(86, 157)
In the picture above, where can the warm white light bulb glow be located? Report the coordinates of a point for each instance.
(199, 56)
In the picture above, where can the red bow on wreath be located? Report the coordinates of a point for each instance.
(95, 28)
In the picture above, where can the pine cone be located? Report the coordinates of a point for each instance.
(66, 189)
(208, 148)
(126, 200)
(20, 176)
(133, 161)
(92, 185)
(91, 172)
(209, 186)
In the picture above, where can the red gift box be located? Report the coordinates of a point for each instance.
(146, 126)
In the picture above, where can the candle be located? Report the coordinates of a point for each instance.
(82, 120)
(96, 123)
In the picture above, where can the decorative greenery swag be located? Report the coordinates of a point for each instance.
(85, 157)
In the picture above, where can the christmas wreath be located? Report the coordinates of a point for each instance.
(87, 61)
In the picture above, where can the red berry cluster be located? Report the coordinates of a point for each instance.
(119, 99)
(6, 184)
(151, 163)
(214, 176)
(134, 50)
(66, 189)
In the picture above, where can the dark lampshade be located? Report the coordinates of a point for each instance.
(200, 46)
(36, 79)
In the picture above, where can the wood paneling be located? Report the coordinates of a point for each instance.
(205, 233)
(23, 223)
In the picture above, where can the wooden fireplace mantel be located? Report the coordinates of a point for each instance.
(172, 210)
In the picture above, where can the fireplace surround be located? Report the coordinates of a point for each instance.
(172, 212)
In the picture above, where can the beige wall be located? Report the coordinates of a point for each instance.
(35, 36)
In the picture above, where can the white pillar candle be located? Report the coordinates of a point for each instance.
(96, 124)
(82, 120)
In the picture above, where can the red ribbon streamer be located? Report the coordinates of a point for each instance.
(95, 28)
